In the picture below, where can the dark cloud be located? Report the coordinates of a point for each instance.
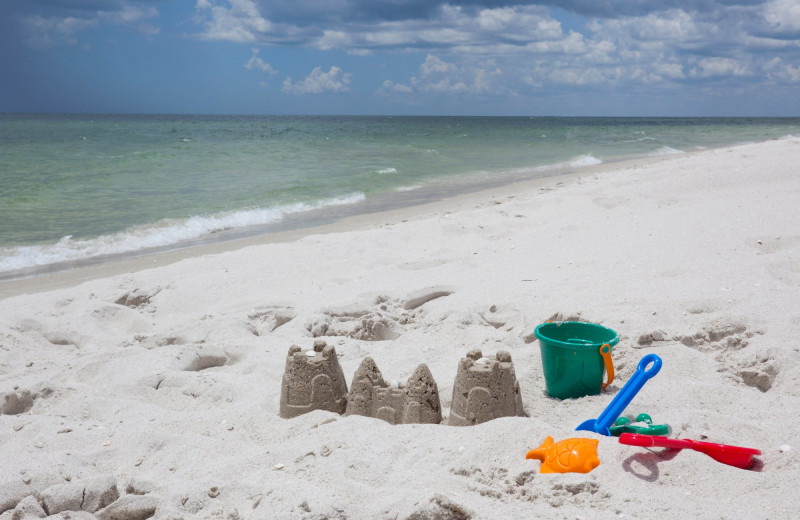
(623, 8)
(290, 11)
(86, 9)
(302, 12)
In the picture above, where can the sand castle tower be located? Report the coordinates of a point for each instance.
(416, 402)
(312, 380)
(422, 402)
(485, 389)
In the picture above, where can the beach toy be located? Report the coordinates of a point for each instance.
(568, 456)
(643, 425)
(624, 397)
(731, 455)
(574, 356)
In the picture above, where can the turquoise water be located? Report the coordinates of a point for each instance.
(75, 188)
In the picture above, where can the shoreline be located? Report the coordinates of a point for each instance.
(62, 251)
(70, 273)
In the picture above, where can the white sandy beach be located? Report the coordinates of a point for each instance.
(155, 391)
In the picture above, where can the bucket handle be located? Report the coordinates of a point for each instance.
(605, 352)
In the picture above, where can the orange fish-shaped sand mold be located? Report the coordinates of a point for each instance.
(567, 456)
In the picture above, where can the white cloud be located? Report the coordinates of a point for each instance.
(436, 75)
(669, 70)
(783, 15)
(777, 70)
(256, 63)
(242, 22)
(390, 86)
(318, 82)
(519, 23)
(334, 39)
(433, 65)
(496, 51)
(655, 31)
(573, 43)
(717, 67)
(486, 52)
(442, 77)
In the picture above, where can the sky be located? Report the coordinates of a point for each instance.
(402, 57)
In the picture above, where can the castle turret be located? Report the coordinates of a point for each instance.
(312, 380)
(485, 389)
(422, 404)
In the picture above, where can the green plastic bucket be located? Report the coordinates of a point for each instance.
(574, 356)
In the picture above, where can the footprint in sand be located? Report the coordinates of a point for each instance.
(501, 316)
(153, 342)
(191, 374)
(16, 402)
(423, 296)
(652, 339)
(21, 400)
(197, 360)
(703, 306)
(183, 390)
(264, 320)
(137, 298)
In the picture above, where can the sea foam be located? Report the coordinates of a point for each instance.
(165, 233)
(584, 160)
(665, 150)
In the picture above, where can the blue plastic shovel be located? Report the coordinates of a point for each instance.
(602, 424)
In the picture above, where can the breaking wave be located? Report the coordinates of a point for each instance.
(162, 234)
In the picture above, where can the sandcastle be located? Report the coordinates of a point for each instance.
(485, 389)
(312, 380)
(416, 402)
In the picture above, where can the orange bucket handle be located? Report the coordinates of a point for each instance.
(605, 352)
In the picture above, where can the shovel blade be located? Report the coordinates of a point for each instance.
(731, 455)
(590, 425)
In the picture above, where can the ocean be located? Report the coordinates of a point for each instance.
(78, 189)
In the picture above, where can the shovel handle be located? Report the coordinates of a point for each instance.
(654, 441)
(648, 367)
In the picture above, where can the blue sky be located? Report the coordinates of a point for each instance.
(473, 57)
